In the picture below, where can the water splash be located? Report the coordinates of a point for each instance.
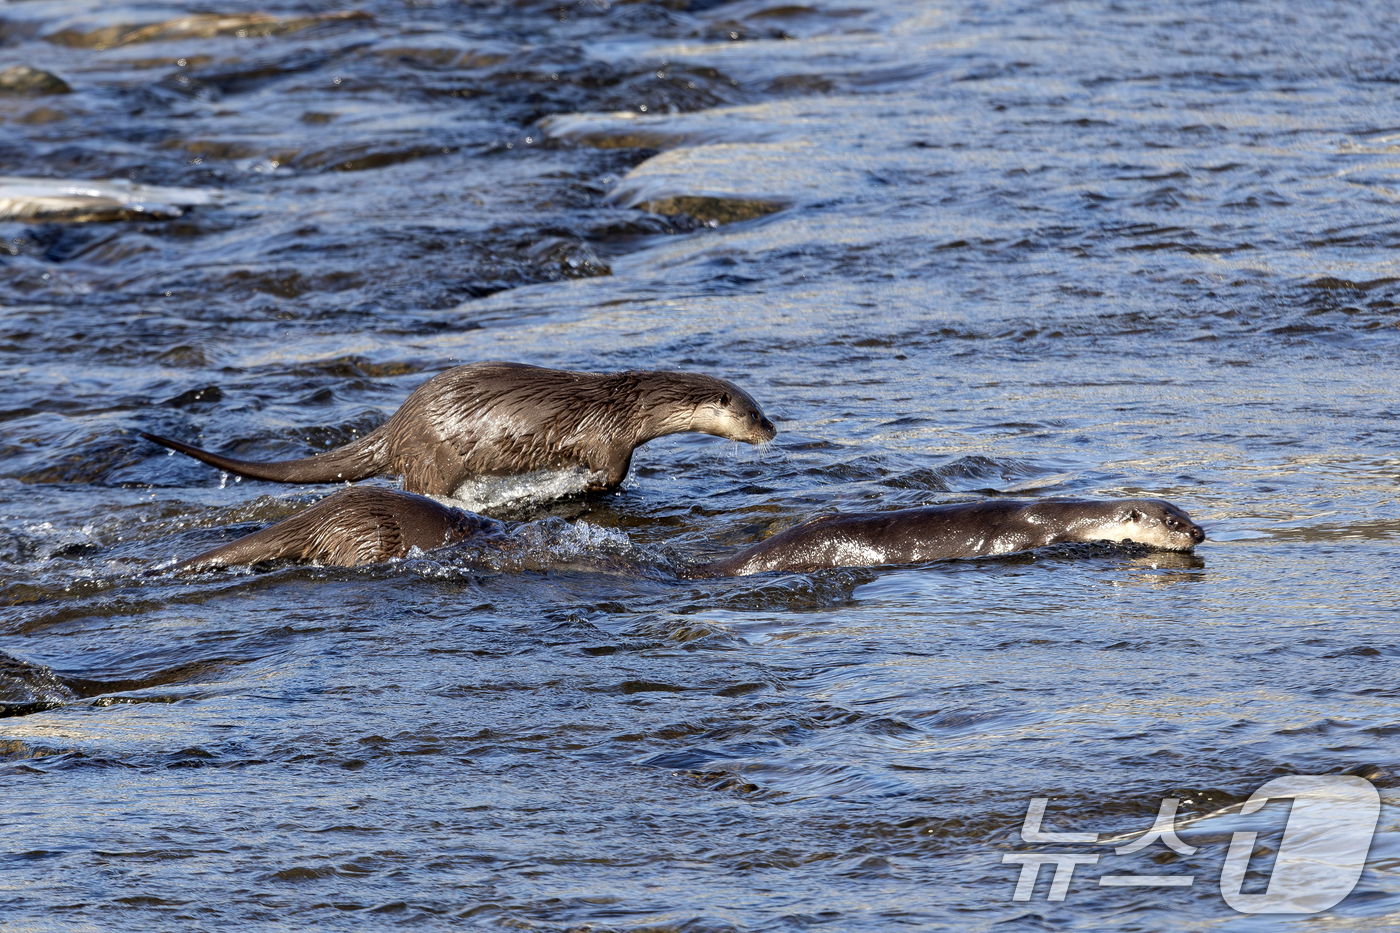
(486, 493)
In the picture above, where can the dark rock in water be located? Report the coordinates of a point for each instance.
(366, 156)
(543, 82)
(573, 259)
(196, 399)
(629, 226)
(42, 115)
(441, 51)
(21, 79)
(220, 149)
(185, 356)
(734, 31)
(708, 210)
(642, 139)
(29, 688)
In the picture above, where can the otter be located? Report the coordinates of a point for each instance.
(506, 419)
(372, 524)
(356, 526)
(972, 529)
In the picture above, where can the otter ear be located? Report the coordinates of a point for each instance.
(1135, 516)
(724, 400)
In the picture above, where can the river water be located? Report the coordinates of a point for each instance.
(955, 249)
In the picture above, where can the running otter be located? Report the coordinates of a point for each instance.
(973, 529)
(359, 525)
(505, 419)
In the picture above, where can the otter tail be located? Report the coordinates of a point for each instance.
(356, 461)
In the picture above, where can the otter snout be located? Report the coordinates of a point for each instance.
(1178, 522)
(1183, 533)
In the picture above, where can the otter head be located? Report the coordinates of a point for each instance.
(670, 403)
(733, 414)
(1153, 522)
(725, 410)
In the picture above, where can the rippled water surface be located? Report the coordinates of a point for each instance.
(955, 250)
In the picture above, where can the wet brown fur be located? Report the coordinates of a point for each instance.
(505, 419)
(360, 525)
(369, 524)
(972, 529)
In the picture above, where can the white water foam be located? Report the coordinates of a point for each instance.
(76, 200)
(542, 486)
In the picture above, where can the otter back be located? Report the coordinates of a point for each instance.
(360, 525)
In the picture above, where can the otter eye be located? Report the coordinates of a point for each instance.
(753, 416)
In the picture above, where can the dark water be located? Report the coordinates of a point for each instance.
(1045, 249)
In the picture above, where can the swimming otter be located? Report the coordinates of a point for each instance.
(972, 529)
(372, 524)
(505, 419)
(359, 525)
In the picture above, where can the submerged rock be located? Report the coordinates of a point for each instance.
(29, 688)
(574, 259)
(711, 210)
(724, 183)
(442, 51)
(198, 26)
(21, 79)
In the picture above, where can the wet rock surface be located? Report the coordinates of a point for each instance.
(21, 79)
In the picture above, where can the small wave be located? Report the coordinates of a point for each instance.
(43, 541)
(29, 688)
(565, 540)
(982, 474)
(789, 592)
(551, 544)
(78, 201)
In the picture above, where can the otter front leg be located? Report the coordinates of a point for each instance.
(613, 470)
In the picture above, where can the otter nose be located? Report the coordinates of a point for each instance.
(765, 424)
(1198, 534)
